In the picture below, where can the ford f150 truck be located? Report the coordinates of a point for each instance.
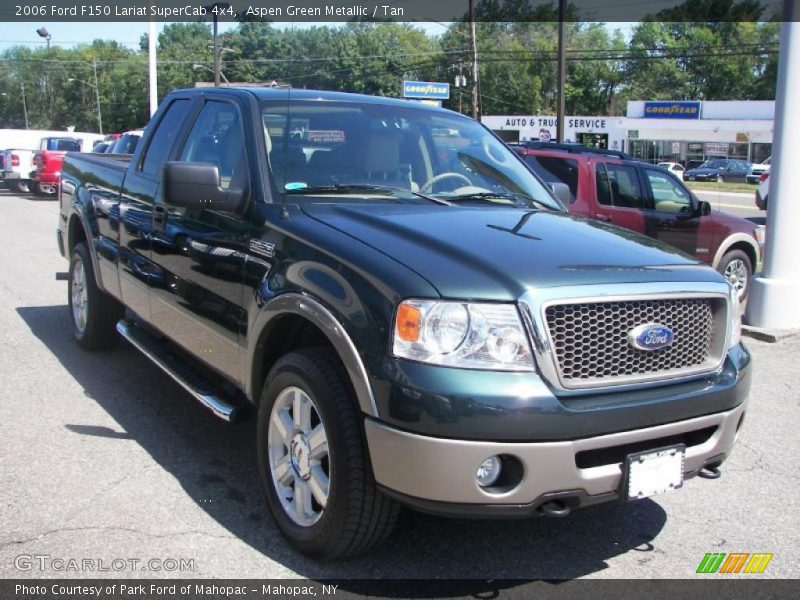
(410, 311)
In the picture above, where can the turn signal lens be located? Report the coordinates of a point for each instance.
(408, 322)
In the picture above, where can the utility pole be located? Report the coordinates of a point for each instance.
(97, 97)
(474, 44)
(24, 104)
(562, 71)
(215, 9)
(461, 82)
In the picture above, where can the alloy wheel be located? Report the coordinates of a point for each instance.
(80, 296)
(298, 456)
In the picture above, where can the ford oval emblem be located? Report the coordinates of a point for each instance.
(650, 336)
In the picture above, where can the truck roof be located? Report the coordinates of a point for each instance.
(279, 93)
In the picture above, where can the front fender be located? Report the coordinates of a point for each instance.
(308, 307)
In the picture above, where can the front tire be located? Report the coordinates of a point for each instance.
(94, 313)
(313, 460)
(19, 187)
(737, 268)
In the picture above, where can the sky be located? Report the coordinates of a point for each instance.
(69, 34)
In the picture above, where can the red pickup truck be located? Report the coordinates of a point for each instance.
(609, 186)
(47, 163)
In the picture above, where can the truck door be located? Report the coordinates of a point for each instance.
(137, 272)
(672, 216)
(621, 199)
(199, 252)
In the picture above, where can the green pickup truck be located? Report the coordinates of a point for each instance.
(409, 311)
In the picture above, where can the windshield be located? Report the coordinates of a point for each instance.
(333, 147)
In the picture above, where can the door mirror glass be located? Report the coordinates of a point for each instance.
(704, 208)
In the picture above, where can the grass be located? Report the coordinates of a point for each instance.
(722, 187)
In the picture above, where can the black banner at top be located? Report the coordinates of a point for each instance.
(443, 11)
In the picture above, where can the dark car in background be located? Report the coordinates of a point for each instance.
(719, 169)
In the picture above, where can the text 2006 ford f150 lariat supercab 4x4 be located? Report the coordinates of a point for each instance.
(413, 315)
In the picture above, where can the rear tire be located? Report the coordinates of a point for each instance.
(19, 187)
(737, 268)
(324, 498)
(41, 189)
(94, 313)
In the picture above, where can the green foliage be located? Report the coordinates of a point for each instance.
(664, 58)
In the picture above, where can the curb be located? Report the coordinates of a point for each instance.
(769, 335)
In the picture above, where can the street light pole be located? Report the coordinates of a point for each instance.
(96, 87)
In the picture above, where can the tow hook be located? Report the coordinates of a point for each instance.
(554, 508)
(710, 472)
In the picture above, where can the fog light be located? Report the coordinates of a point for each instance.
(489, 471)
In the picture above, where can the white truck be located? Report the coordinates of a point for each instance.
(17, 165)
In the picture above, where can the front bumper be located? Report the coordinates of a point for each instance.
(438, 475)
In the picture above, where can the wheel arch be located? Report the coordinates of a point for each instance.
(292, 321)
(738, 241)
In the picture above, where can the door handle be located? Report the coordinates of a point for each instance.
(602, 217)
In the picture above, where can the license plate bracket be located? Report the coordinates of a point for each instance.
(652, 472)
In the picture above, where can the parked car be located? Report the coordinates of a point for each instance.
(762, 191)
(616, 189)
(757, 170)
(17, 165)
(435, 332)
(126, 143)
(719, 169)
(674, 168)
(47, 161)
(101, 148)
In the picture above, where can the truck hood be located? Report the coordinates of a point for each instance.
(499, 253)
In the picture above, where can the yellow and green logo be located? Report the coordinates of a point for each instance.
(735, 562)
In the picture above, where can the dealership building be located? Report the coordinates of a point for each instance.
(688, 132)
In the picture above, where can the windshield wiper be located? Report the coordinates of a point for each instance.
(518, 199)
(350, 188)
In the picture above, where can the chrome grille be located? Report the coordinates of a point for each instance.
(591, 347)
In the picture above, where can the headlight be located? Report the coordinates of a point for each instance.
(460, 334)
(736, 320)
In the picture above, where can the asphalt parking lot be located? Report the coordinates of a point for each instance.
(104, 457)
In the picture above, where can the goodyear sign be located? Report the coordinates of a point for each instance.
(431, 90)
(672, 110)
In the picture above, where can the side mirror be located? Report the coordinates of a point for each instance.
(561, 191)
(703, 208)
(197, 185)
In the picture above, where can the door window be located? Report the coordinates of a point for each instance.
(668, 195)
(161, 141)
(217, 138)
(619, 186)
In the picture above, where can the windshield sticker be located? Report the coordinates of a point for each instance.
(295, 185)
